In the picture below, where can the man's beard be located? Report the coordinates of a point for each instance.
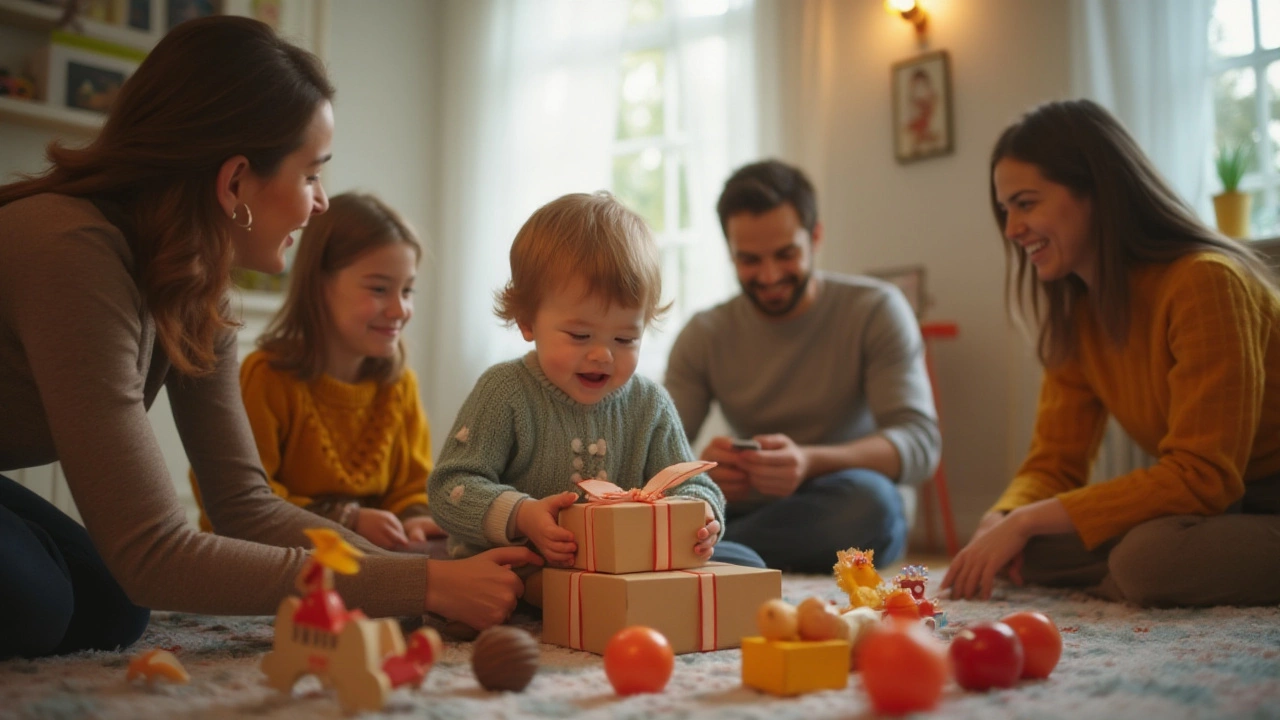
(797, 295)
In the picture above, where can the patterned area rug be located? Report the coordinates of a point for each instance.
(1118, 662)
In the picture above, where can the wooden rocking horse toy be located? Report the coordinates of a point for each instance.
(361, 659)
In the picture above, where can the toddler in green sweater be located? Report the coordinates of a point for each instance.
(585, 283)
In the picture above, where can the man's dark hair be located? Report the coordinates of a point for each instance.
(762, 186)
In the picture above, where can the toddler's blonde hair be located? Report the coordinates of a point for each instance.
(589, 236)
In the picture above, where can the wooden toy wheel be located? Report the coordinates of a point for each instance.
(361, 690)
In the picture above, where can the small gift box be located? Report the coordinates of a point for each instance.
(793, 667)
(626, 531)
(709, 608)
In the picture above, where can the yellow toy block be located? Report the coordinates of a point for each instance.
(786, 667)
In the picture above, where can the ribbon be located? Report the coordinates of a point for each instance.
(575, 611)
(708, 618)
(603, 493)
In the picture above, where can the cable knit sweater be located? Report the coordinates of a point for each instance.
(520, 436)
(1197, 385)
(324, 442)
(79, 367)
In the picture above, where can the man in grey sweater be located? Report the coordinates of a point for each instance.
(824, 372)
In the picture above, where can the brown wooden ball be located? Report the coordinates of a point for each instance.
(505, 658)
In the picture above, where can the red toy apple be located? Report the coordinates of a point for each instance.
(985, 656)
(638, 659)
(903, 668)
(1041, 643)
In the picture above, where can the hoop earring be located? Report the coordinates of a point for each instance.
(248, 219)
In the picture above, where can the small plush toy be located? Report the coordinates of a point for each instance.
(856, 575)
(155, 665)
(505, 658)
(817, 620)
(777, 620)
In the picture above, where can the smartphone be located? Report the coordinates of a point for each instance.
(745, 444)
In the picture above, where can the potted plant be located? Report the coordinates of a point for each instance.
(1231, 207)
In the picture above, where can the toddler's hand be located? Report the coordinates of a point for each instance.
(538, 520)
(381, 527)
(423, 527)
(708, 534)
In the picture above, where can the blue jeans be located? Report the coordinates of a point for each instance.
(737, 554)
(56, 594)
(854, 508)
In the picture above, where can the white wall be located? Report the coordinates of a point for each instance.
(382, 58)
(1006, 55)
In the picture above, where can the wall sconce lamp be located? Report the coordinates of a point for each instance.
(912, 12)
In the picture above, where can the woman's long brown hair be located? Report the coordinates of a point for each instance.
(1137, 219)
(212, 89)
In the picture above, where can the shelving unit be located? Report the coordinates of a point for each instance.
(38, 114)
(39, 17)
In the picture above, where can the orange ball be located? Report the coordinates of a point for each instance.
(638, 659)
(903, 668)
(1041, 642)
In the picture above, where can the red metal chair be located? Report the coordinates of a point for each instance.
(938, 331)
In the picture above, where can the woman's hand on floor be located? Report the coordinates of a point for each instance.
(973, 570)
(997, 546)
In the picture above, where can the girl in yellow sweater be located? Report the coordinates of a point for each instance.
(1148, 316)
(334, 410)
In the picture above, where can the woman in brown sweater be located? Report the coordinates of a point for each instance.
(1150, 317)
(114, 270)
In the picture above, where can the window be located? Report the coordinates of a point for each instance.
(674, 82)
(1244, 75)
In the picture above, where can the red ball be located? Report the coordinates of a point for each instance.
(1041, 643)
(985, 656)
(903, 668)
(638, 659)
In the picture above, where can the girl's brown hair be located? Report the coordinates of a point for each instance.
(298, 337)
(211, 89)
(593, 237)
(1136, 220)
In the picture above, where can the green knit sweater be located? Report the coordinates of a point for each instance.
(519, 436)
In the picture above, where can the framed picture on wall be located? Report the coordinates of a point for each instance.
(78, 73)
(922, 122)
(910, 280)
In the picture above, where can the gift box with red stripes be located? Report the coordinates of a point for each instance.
(700, 609)
(629, 537)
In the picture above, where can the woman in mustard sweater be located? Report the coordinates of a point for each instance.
(1148, 316)
(335, 412)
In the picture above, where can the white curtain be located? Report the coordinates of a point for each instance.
(529, 98)
(1146, 61)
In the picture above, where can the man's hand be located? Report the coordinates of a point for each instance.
(381, 527)
(727, 474)
(480, 591)
(538, 520)
(777, 468)
(421, 528)
(708, 534)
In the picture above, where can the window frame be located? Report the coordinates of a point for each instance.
(1265, 178)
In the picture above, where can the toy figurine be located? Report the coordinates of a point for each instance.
(856, 575)
(801, 649)
(505, 658)
(316, 635)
